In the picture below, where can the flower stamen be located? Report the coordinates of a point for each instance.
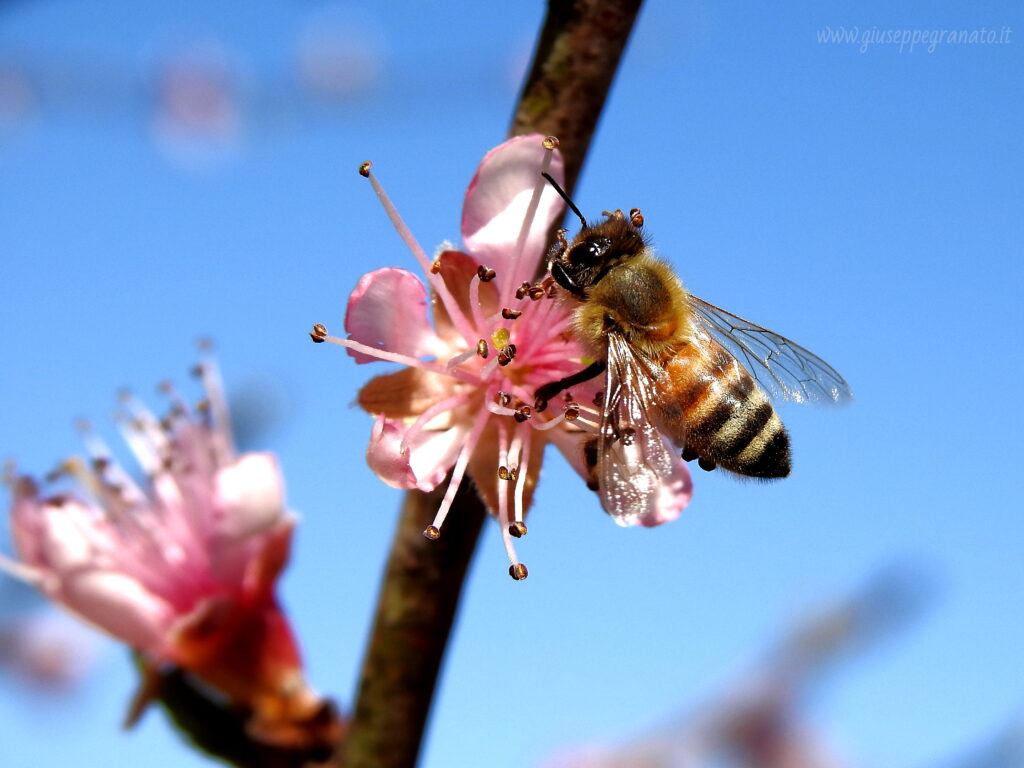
(20, 571)
(474, 300)
(458, 472)
(461, 358)
(531, 212)
(426, 417)
(436, 282)
(396, 357)
(516, 569)
(506, 354)
(522, 450)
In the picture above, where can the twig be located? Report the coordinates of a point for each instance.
(577, 54)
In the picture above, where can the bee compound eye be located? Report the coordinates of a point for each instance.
(590, 251)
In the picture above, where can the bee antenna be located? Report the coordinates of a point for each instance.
(562, 194)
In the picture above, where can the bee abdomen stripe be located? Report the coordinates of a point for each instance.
(716, 417)
(768, 453)
(719, 401)
(743, 429)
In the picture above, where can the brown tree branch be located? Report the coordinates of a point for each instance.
(573, 67)
(415, 612)
(577, 55)
(220, 730)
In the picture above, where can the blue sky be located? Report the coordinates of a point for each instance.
(866, 204)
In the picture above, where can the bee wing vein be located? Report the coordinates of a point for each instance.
(782, 367)
(634, 459)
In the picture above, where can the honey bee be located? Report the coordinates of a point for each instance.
(676, 368)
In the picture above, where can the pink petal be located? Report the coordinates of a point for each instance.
(250, 502)
(120, 606)
(388, 309)
(497, 201)
(676, 492)
(270, 560)
(249, 496)
(424, 466)
(26, 522)
(72, 538)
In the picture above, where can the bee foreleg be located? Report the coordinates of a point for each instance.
(548, 391)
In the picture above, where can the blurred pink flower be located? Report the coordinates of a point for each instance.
(47, 649)
(182, 570)
(464, 403)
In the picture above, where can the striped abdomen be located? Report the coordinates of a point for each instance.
(725, 419)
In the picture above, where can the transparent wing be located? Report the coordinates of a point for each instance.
(782, 367)
(637, 473)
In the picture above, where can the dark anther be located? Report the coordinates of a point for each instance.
(506, 354)
(510, 314)
(636, 218)
(435, 268)
(571, 411)
(504, 399)
(503, 473)
(486, 274)
(364, 169)
(431, 532)
(318, 334)
(518, 571)
(537, 292)
(599, 399)
(522, 290)
(523, 413)
(517, 529)
(482, 349)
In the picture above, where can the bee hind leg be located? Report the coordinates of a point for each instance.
(689, 454)
(548, 391)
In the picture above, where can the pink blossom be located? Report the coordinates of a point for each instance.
(463, 404)
(183, 568)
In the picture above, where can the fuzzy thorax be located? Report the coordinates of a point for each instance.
(641, 299)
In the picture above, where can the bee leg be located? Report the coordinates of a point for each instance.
(706, 464)
(548, 391)
(689, 454)
(590, 457)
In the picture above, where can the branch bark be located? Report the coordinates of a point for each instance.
(577, 54)
(573, 67)
(415, 613)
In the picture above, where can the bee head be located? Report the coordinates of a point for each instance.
(580, 265)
